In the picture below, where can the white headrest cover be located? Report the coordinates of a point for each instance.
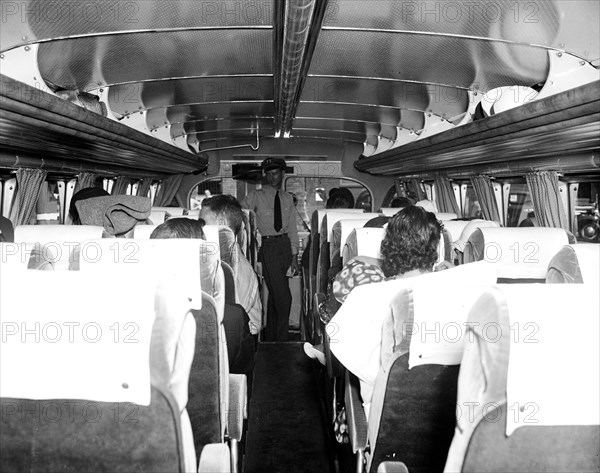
(172, 211)
(92, 345)
(347, 225)
(554, 368)
(427, 205)
(521, 252)
(445, 215)
(455, 228)
(14, 255)
(321, 213)
(588, 257)
(440, 313)
(368, 243)
(157, 216)
(333, 217)
(173, 262)
(471, 226)
(143, 232)
(57, 234)
(390, 211)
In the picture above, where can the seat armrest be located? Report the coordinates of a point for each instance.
(238, 395)
(215, 458)
(355, 414)
(392, 467)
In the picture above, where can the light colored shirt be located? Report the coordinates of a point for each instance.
(246, 291)
(262, 201)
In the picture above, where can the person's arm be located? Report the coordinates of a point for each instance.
(292, 231)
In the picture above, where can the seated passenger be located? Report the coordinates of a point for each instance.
(409, 249)
(240, 344)
(225, 210)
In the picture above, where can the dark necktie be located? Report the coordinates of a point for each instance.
(277, 217)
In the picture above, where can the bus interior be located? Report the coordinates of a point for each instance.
(488, 110)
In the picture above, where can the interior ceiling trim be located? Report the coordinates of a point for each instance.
(84, 128)
(439, 34)
(550, 117)
(137, 31)
(388, 79)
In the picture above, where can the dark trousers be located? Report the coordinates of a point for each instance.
(276, 257)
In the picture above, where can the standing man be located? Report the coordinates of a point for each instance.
(276, 221)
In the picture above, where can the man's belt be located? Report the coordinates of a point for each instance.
(268, 237)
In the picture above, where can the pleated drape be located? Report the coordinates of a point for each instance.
(84, 180)
(29, 185)
(418, 190)
(144, 187)
(485, 196)
(444, 196)
(547, 203)
(120, 185)
(168, 189)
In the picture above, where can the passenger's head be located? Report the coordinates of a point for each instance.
(223, 210)
(83, 194)
(411, 241)
(400, 202)
(179, 228)
(340, 198)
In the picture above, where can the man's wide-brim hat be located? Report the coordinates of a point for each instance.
(273, 163)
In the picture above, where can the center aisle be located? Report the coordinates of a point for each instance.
(285, 427)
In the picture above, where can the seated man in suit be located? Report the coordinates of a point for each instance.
(225, 210)
(240, 344)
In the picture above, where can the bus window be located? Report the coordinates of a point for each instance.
(312, 194)
(586, 209)
(203, 190)
(471, 207)
(520, 206)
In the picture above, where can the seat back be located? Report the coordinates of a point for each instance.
(412, 415)
(157, 216)
(143, 232)
(76, 392)
(58, 243)
(579, 263)
(171, 211)
(524, 420)
(517, 253)
(14, 255)
(363, 241)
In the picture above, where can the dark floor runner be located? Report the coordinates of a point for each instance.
(285, 428)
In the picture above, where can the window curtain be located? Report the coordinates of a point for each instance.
(120, 185)
(485, 196)
(29, 185)
(144, 187)
(84, 180)
(444, 196)
(168, 189)
(418, 190)
(547, 204)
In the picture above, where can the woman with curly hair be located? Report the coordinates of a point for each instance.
(411, 242)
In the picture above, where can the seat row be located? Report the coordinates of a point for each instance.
(123, 287)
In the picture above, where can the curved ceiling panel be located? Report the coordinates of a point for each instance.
(457, 62)
(124, 99)
(160, 117)
(89, 63)
(43, 19)
(549, 23)
(441, 100)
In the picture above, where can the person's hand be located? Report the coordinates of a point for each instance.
(443, 265)
(294, 266)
